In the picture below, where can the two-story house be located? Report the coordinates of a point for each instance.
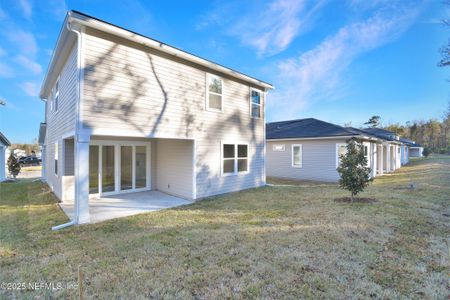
(126, 113)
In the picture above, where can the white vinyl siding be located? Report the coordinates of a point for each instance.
(164, 97)
(341, 149)
(62, 122)
(56, 158)
(296, 156)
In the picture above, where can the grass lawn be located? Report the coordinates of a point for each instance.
(291, 241)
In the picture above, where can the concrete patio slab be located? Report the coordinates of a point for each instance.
(123, 205)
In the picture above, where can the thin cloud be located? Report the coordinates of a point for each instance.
(269, 30)
(26, 8)
(317, 74)
(30, 65)
(2, 52)
(24, 41)
(30, 88)
(6, 71)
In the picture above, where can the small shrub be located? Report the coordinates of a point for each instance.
(13, 165)
(355, 175)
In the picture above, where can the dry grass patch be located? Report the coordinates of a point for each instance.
(290, 241)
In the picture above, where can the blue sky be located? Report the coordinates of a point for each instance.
(340, 61)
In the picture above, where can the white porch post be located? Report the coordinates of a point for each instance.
(82, 140)
(380, 159)
(388, 158)
(373, 164)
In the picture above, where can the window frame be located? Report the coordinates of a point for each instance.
(56, 159)
(235, 158)
(338, 145)
(260, 104)
(293, 165)
(207, 92)
(56, 92)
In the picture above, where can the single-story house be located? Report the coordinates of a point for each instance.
(4, 144)
(415, 150)
(392, 147)
(309, 149)
(127, 113)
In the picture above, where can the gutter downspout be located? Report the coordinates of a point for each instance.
(75, 220)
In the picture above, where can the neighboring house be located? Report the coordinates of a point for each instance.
(415, 150)
(309, 149)
(391, 148)
(127, 113)
(4, 144)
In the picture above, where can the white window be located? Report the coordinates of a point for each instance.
(366, 150)
(56, 96)
(278, 147)
(56, 158)
(234, 158)
(341, 149)
(255, 103)
(214, 95)
(297, 156)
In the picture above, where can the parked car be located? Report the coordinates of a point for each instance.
(29, 161)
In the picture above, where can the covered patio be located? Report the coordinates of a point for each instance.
(123, 205)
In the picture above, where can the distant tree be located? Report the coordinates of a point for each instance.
(353, 170)
(426, 152)
(445, 50)
(13, 165)
(374, 121)
(397, 128)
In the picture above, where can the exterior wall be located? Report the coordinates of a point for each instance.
(404, 154)
(174, 167)
(3, 160)
(318, 160)
(131, 90)
(415, 151)
(61, 122)
(68, 170)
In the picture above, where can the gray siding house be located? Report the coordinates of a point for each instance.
(126, 113)
(309, 149)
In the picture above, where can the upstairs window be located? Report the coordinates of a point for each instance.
(255, 107)
(56, 96)
(214, 93)
(297, 156)
(234, 158)
(366, 151)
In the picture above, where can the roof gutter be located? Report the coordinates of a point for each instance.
(111, 29)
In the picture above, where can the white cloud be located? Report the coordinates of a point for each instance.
(57, 8)
(269, 29)
(28, 64)
(317, 74)
(30, 88)
(6, 71)
(2, 52)
(26, 8)
(24, 41)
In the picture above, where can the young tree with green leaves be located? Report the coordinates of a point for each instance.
(353, 170)
(13, 165)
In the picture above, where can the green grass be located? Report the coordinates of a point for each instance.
(290, 241)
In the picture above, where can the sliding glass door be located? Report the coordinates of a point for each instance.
(116, 167)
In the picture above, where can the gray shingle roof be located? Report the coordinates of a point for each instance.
(4, 140)
(305, 128)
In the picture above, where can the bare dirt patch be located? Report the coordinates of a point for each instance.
(355, 200)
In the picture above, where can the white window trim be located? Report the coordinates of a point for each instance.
(236, 172)
(301, 155)
(207, 92)
(337, 152)
(260, 104)
(56, 163)
(56, 93)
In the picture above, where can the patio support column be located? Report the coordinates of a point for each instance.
(380, 159)
(388, 158)
(82, 140)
